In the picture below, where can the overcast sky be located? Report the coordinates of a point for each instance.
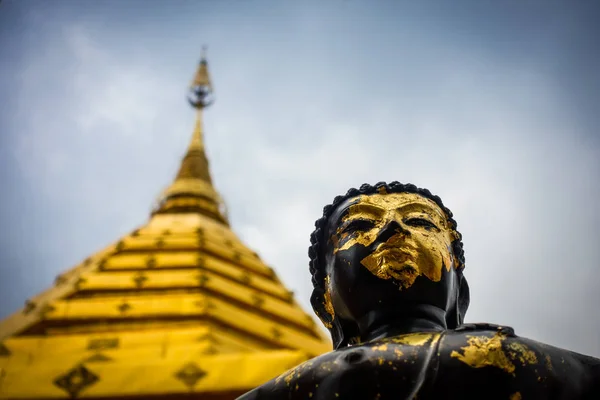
(493, 106)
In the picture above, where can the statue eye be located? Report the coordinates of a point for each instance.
(358, 225)
(422, 222)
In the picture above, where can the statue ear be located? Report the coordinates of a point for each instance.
(341, 331)
(337, 335)
(464, 298)
(316, 300)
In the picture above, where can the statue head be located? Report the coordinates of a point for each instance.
(390, 247)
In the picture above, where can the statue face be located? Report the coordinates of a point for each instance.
(383, 243)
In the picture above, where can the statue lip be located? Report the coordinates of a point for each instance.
(397, 253)
(405, 273)
(394, 259)
(398, 243)
(397, 261)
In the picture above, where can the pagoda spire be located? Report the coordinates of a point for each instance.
(192, 189)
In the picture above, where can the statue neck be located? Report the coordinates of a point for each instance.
(384, 323)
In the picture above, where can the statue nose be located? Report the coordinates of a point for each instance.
(393, 227)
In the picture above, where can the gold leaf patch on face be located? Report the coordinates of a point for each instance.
(420, 246)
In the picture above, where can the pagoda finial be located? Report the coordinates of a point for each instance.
(192, 190)
(201, 91)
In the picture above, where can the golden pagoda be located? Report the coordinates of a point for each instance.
(179, 308)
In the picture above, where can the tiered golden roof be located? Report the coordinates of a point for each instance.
(178, 307)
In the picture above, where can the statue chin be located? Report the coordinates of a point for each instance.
(405, 277)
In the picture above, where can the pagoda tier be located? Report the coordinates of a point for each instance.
(179, 308)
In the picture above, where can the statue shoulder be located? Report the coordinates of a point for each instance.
(436, 363)
(295, 380)
(484, 326)
(511, 340)
(488, 335)
(531, 363)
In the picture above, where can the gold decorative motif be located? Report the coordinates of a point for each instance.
(119, 246)
(245, 278)
(277, 334)
(209, 305)
(210, 350)
(203, 279)
(257, 300)
(76, 379)
(124, 307)
(483, 351)
(237, 256)
(190, 374)
(103, 344)
(150, 262)
(160, 242)
(140, 279)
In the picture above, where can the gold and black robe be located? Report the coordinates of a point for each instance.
(475, 361)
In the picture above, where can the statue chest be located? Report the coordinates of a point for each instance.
(487, 364)
(387, 370)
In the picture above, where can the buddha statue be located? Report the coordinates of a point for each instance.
(387, 267)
